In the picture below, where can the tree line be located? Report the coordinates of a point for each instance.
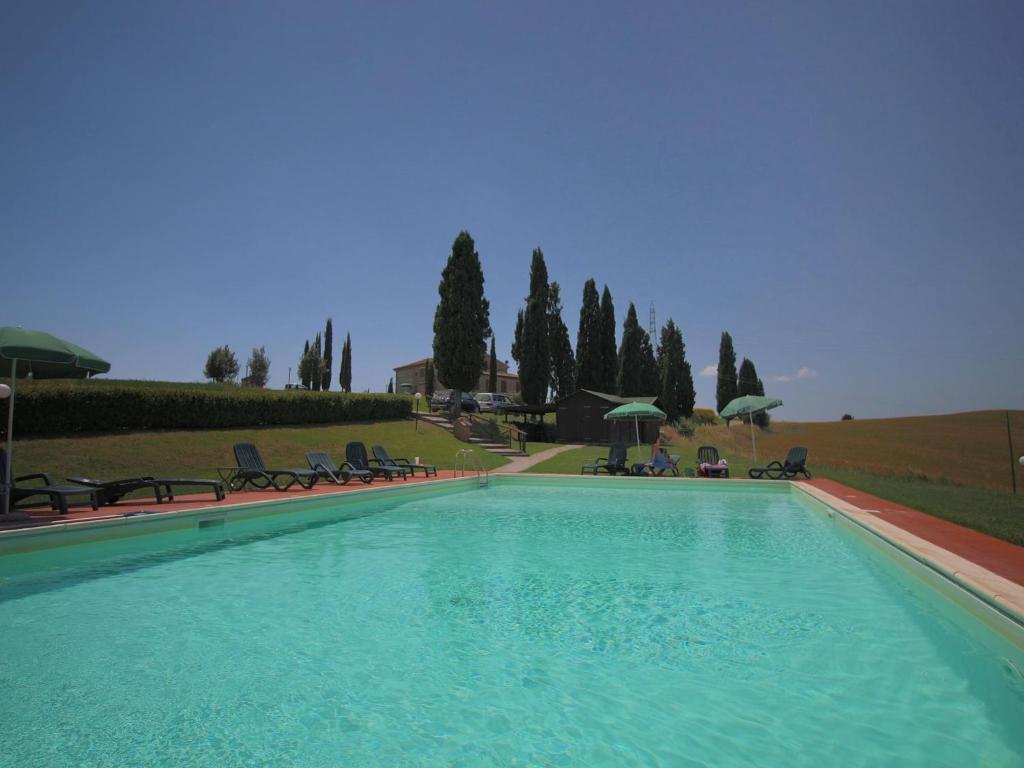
(314, 369)
(638, 366)
(541, 347)
(734, 383)
(317, 360)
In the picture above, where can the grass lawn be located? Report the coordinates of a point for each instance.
(198, 453)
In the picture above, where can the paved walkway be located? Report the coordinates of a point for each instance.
(523, 463)
(1000, 557)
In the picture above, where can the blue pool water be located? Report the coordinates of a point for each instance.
(597, 624)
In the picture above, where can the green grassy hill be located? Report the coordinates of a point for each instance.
(197, 453)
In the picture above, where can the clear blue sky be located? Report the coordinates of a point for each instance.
(839, 186)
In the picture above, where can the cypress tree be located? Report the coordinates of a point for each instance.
(317, 364)
(588, 340)
(518, 337)
(391, 386)
(609, 358)
(462, 321)
(303, 370)
(492, 371)
(748, 383)
(649, 369)
(428, 376)
(534, 355)
(631, 375)
(345, 372)
(563, 366)
(328, 356)
(676, 379)
(725, 391)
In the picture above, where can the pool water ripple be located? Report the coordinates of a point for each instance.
(518, 625)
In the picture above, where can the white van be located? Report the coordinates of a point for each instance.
(492, 401)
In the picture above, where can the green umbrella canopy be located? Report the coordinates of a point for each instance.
(641, 411)
(46, 356)
(743, 406)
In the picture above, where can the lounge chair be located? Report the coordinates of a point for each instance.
(251, 470)
(613, 463)
(355, 454)
(795, 464)
(381, 457)
(321, 463)
(709, 463)
(58, 494)
(112, 491)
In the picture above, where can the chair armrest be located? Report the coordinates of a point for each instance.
(400, 460)
(37, 476)
(376, 461)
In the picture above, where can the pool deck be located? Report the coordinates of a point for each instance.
(991, 565)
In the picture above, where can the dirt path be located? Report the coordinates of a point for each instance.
(523, 463)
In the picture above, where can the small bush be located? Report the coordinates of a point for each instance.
(59, 408)
(846, 417)
(704, 416)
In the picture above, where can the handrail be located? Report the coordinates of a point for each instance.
(464, 454)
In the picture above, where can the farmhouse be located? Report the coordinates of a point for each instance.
(412, 377)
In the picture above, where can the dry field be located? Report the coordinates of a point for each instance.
(965, 448)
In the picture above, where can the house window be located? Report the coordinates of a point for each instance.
(504, 386)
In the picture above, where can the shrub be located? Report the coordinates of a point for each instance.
(52, 408)
(703, 416)
(846, 417)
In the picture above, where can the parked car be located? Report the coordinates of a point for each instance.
(442, 401)
(492, 401)
(296, 386)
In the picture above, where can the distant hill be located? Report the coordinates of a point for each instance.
(968, 448)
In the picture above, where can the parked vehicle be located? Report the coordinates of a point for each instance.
(492, 401)
(442, 401)
(296, 386)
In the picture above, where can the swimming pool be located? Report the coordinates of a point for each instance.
(547, 622)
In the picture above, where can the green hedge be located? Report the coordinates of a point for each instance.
(60, 408)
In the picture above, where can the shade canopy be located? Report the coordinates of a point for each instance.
(45, 356)
(641, 411)
(24, 352)
(748, 404)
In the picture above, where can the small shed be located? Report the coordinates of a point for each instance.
(580, 419)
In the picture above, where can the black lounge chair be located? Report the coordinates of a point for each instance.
(253, 471)
(795, 464)
(355, 454)
(112, 491)
(321, 463)
(708, 454)
(613, 463)
(381, 457)
(58, 494)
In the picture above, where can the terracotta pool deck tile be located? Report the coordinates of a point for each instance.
(1000, 557)
(44, 516)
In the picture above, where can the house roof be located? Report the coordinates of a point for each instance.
(614, 398)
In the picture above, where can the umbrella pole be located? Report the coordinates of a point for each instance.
(753, 441)
(8, 480)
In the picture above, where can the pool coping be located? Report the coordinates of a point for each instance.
(998, 592)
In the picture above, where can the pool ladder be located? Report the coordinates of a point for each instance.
(466, 459)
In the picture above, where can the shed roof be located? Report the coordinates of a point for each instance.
(649, 400)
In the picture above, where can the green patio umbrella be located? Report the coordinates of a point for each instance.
(637, 412)
(748, 405)
(24, 353)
